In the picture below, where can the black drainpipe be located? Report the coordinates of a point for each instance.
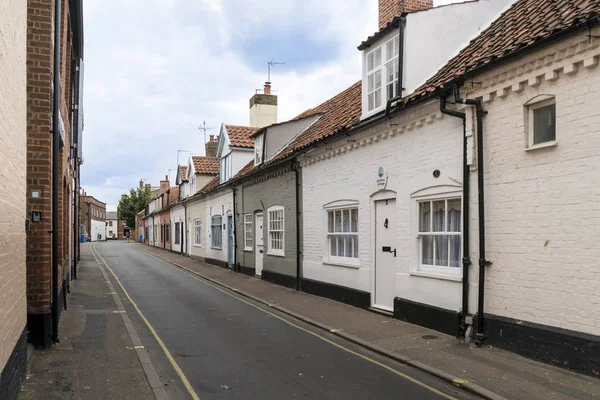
(466, 260)
(55, 150)
(234, 227)
(298, 252)
(479, 336)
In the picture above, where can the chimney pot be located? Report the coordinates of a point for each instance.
(267, 89)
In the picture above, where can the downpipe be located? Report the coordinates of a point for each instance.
(298, 216)
(483, 263)
(466, 260)
(55, 186)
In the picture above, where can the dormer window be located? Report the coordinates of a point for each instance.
(226, 168)
(380, 79)
(258, 150)
(374, 79)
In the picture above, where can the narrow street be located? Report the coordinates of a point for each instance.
(227, 346)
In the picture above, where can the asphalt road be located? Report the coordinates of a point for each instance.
(229, 347)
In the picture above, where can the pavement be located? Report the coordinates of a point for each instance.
(96, 357)
(487, 371)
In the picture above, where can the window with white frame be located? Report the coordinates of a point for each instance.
(374, 79)
(439, 234)
(248, 232)
(391, 68)
(381, 75)
(216, 235)
(275, 226)
(176, 239)
(342, 234)
(197, 232)
(258, 149)
(541, 114)
(226, 168)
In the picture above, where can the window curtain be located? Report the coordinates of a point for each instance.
(454, 226)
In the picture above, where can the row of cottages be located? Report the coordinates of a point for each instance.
(453, 188)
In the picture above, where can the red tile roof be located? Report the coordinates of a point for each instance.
(525, 23)
(338, 113)
(240, 136)
(183, 171)
(206, 165)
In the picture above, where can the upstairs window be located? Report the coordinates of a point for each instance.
(381, 75)
(391, 67)
(258, 150)
(374, 79)
(226, 168)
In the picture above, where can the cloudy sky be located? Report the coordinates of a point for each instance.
(156, 69)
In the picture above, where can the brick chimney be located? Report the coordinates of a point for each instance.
(211, 147)
(388, 9)
(164, 185)
(141, 183)
(148, 186)
(263, 108)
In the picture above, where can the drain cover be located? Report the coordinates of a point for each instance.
(429, 337)
(58, 363)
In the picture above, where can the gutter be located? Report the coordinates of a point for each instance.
(466, 261)
(55, 186)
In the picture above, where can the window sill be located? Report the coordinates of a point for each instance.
(216, 248)
(197, 245)
(275, 254)
(353, 265)
(544, 145)
(248, 250)
(437, 275)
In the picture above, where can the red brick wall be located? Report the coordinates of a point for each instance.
(40, 58)
(388, 9)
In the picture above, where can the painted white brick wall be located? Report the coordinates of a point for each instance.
(219, 203)
(410, 157)
(13, 170)
(543, 206)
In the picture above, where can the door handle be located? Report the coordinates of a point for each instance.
(260, 251)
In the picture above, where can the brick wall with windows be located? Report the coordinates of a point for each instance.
(13, 137)
(542, 197)
(344, 177)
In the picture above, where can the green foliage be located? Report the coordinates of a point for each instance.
(132, 204)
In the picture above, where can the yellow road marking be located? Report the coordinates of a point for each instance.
(174, 364)
(403, 375)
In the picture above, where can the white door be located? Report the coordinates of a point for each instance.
(260, 247)
(385, 254)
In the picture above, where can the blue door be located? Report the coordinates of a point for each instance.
(230, 240)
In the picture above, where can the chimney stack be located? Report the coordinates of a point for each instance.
(141, 183)
(263, 108)
(388, 9)
(164, 185)
(148, 186)
(210, 148)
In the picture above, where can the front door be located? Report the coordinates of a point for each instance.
(385, 254)
(260, 248)
(230, 240)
